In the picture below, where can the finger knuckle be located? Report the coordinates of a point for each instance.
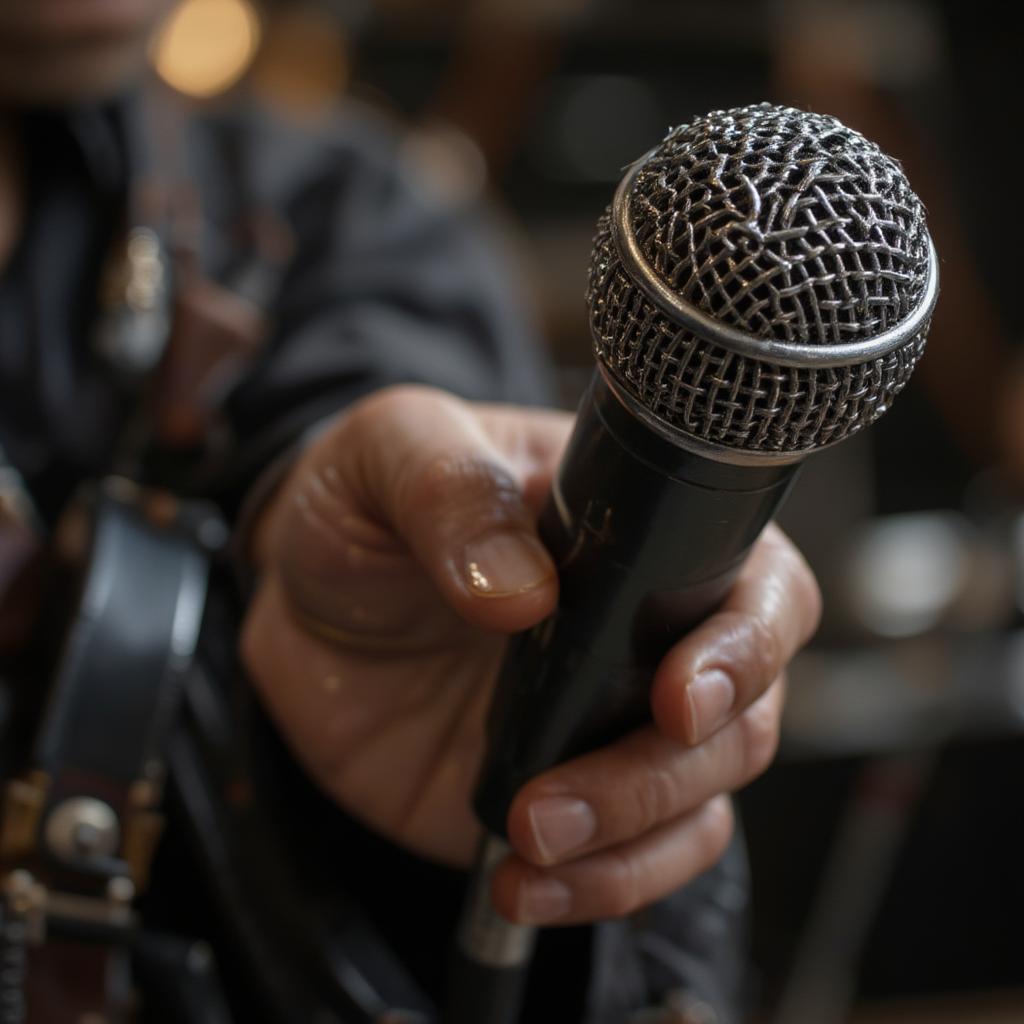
(718, 824)
(808, 583)
(388, 401)
(803, 584)
(362, 418)
(759, 730)
(622, 892)
(769, 654)
(465, 481)
(430, 482)
(655, 798)
(762, 656)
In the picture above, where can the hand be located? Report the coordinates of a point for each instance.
(396, 558)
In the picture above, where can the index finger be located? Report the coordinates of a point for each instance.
(731, 659)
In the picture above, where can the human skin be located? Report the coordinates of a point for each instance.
(60, 52)
(375, 646)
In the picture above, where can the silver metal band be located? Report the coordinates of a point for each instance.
(484, 935)
(782, 353)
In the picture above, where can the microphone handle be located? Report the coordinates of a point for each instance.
(648, 538)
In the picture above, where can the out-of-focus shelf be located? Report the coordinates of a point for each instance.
(905, 695)
(983, 1008)
(1003, 1007)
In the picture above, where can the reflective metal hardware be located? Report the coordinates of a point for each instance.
(24, 800)
(121, 890)
(89, 911)
(143, 825)
(82, 828)
(133, 331)
(763, 283)
(26, 899)
(31, 901)
(484, 935)
(146, 272)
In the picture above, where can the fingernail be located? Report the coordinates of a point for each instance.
(711, 695)
(503, 563)
(561, 824)
(543, 900)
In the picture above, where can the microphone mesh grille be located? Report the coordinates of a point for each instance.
(783, 224)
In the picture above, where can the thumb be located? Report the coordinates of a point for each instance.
(416, 493)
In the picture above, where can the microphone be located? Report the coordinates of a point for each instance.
(760, 288)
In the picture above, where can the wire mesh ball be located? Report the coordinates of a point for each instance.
(787, 226)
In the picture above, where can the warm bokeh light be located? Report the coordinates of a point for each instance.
(206, 45)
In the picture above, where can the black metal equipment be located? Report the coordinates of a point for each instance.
(82, 820)
(150, 729)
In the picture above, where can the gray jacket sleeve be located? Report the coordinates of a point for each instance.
(387, 284)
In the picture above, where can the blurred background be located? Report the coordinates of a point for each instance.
(888, 842)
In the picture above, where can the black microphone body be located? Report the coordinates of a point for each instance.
(648, 538)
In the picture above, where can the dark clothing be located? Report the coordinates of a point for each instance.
(383, 284)
(58, 412)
